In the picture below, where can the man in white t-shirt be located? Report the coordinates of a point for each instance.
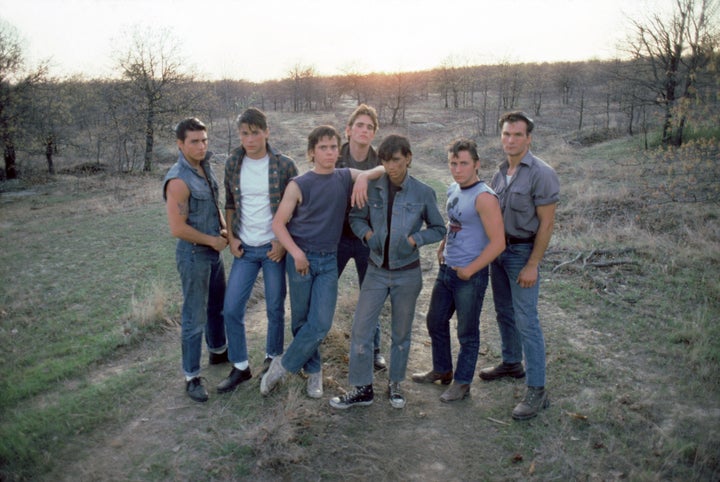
(255, 178)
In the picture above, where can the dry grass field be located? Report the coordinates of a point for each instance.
(629, 305)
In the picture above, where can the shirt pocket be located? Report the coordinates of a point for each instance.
(412, 217)
(522, 207)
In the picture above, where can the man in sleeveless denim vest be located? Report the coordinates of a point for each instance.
(191, 191)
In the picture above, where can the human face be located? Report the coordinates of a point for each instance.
(515, 140)
(463, 168)
(194, 147)
(253, 140)
(362, 131)
(325, 154)
(396, 167)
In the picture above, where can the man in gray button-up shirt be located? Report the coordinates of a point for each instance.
(529, 191)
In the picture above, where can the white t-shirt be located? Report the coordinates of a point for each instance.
(256, 215)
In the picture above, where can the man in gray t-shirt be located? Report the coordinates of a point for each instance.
(528, 190)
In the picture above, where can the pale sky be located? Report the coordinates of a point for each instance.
(263, 39)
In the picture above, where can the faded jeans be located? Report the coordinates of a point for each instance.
(452, 295)
(242, 278)
(312, 307)
(203, 284)
(353, 248)
(517, 315)
(403, 287)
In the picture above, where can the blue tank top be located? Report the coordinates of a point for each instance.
(317, 222)
(466, 237)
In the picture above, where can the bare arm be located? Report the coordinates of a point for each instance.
(441, 250)
(529, 274)
(360, 178)
(235, 244)
(291, 198)
(488, 208)
(178, 206)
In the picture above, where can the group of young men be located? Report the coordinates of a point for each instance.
(361, 204)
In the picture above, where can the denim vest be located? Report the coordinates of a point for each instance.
(203, 212)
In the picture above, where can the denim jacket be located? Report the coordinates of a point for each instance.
(415, 204)
(203, 212)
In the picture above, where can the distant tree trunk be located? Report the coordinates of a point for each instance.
(149, 139)
(10, 158)
(230, 125)
(537, 102)
(582, 109)
(631, 118)
(607, 112)
(49, 149)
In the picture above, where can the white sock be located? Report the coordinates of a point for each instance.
(242, 365)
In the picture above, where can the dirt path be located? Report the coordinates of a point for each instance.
(300, 438)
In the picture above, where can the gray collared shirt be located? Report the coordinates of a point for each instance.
(534, 183)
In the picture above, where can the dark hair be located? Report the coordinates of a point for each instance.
(253, 117)
(392, 144)
(364, 109)
(464, 145)
(317, 134)
(190, 124)
(518, 116)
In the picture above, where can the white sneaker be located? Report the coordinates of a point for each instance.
(273, 376)
(315, 385)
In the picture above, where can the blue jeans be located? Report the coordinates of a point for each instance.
(517, 315)
(242, 278)
(203, 284)
(353, 248)
(451, 295)
(403, 288)
(312, 308)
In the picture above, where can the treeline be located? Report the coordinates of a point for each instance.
(667, 82)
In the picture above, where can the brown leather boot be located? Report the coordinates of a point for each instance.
(432, 376)
(535, 400)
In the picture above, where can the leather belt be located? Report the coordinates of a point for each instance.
(513, 240)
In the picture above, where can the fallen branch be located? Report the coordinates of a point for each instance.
(585, 260)
(567, 262)
(497, 421)
(605, 264)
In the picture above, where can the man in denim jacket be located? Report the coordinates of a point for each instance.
(391, 224)
(190, 190)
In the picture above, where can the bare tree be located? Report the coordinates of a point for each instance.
(397, 95)
(566, 79)
(450, 80)
(50, 118)
(672, 54)
(15, 84)
(353, 83)
(303, 80)
(153, 69)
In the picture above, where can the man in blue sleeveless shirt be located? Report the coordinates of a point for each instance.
(309, 223)
(475, 238)
(191, 191)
